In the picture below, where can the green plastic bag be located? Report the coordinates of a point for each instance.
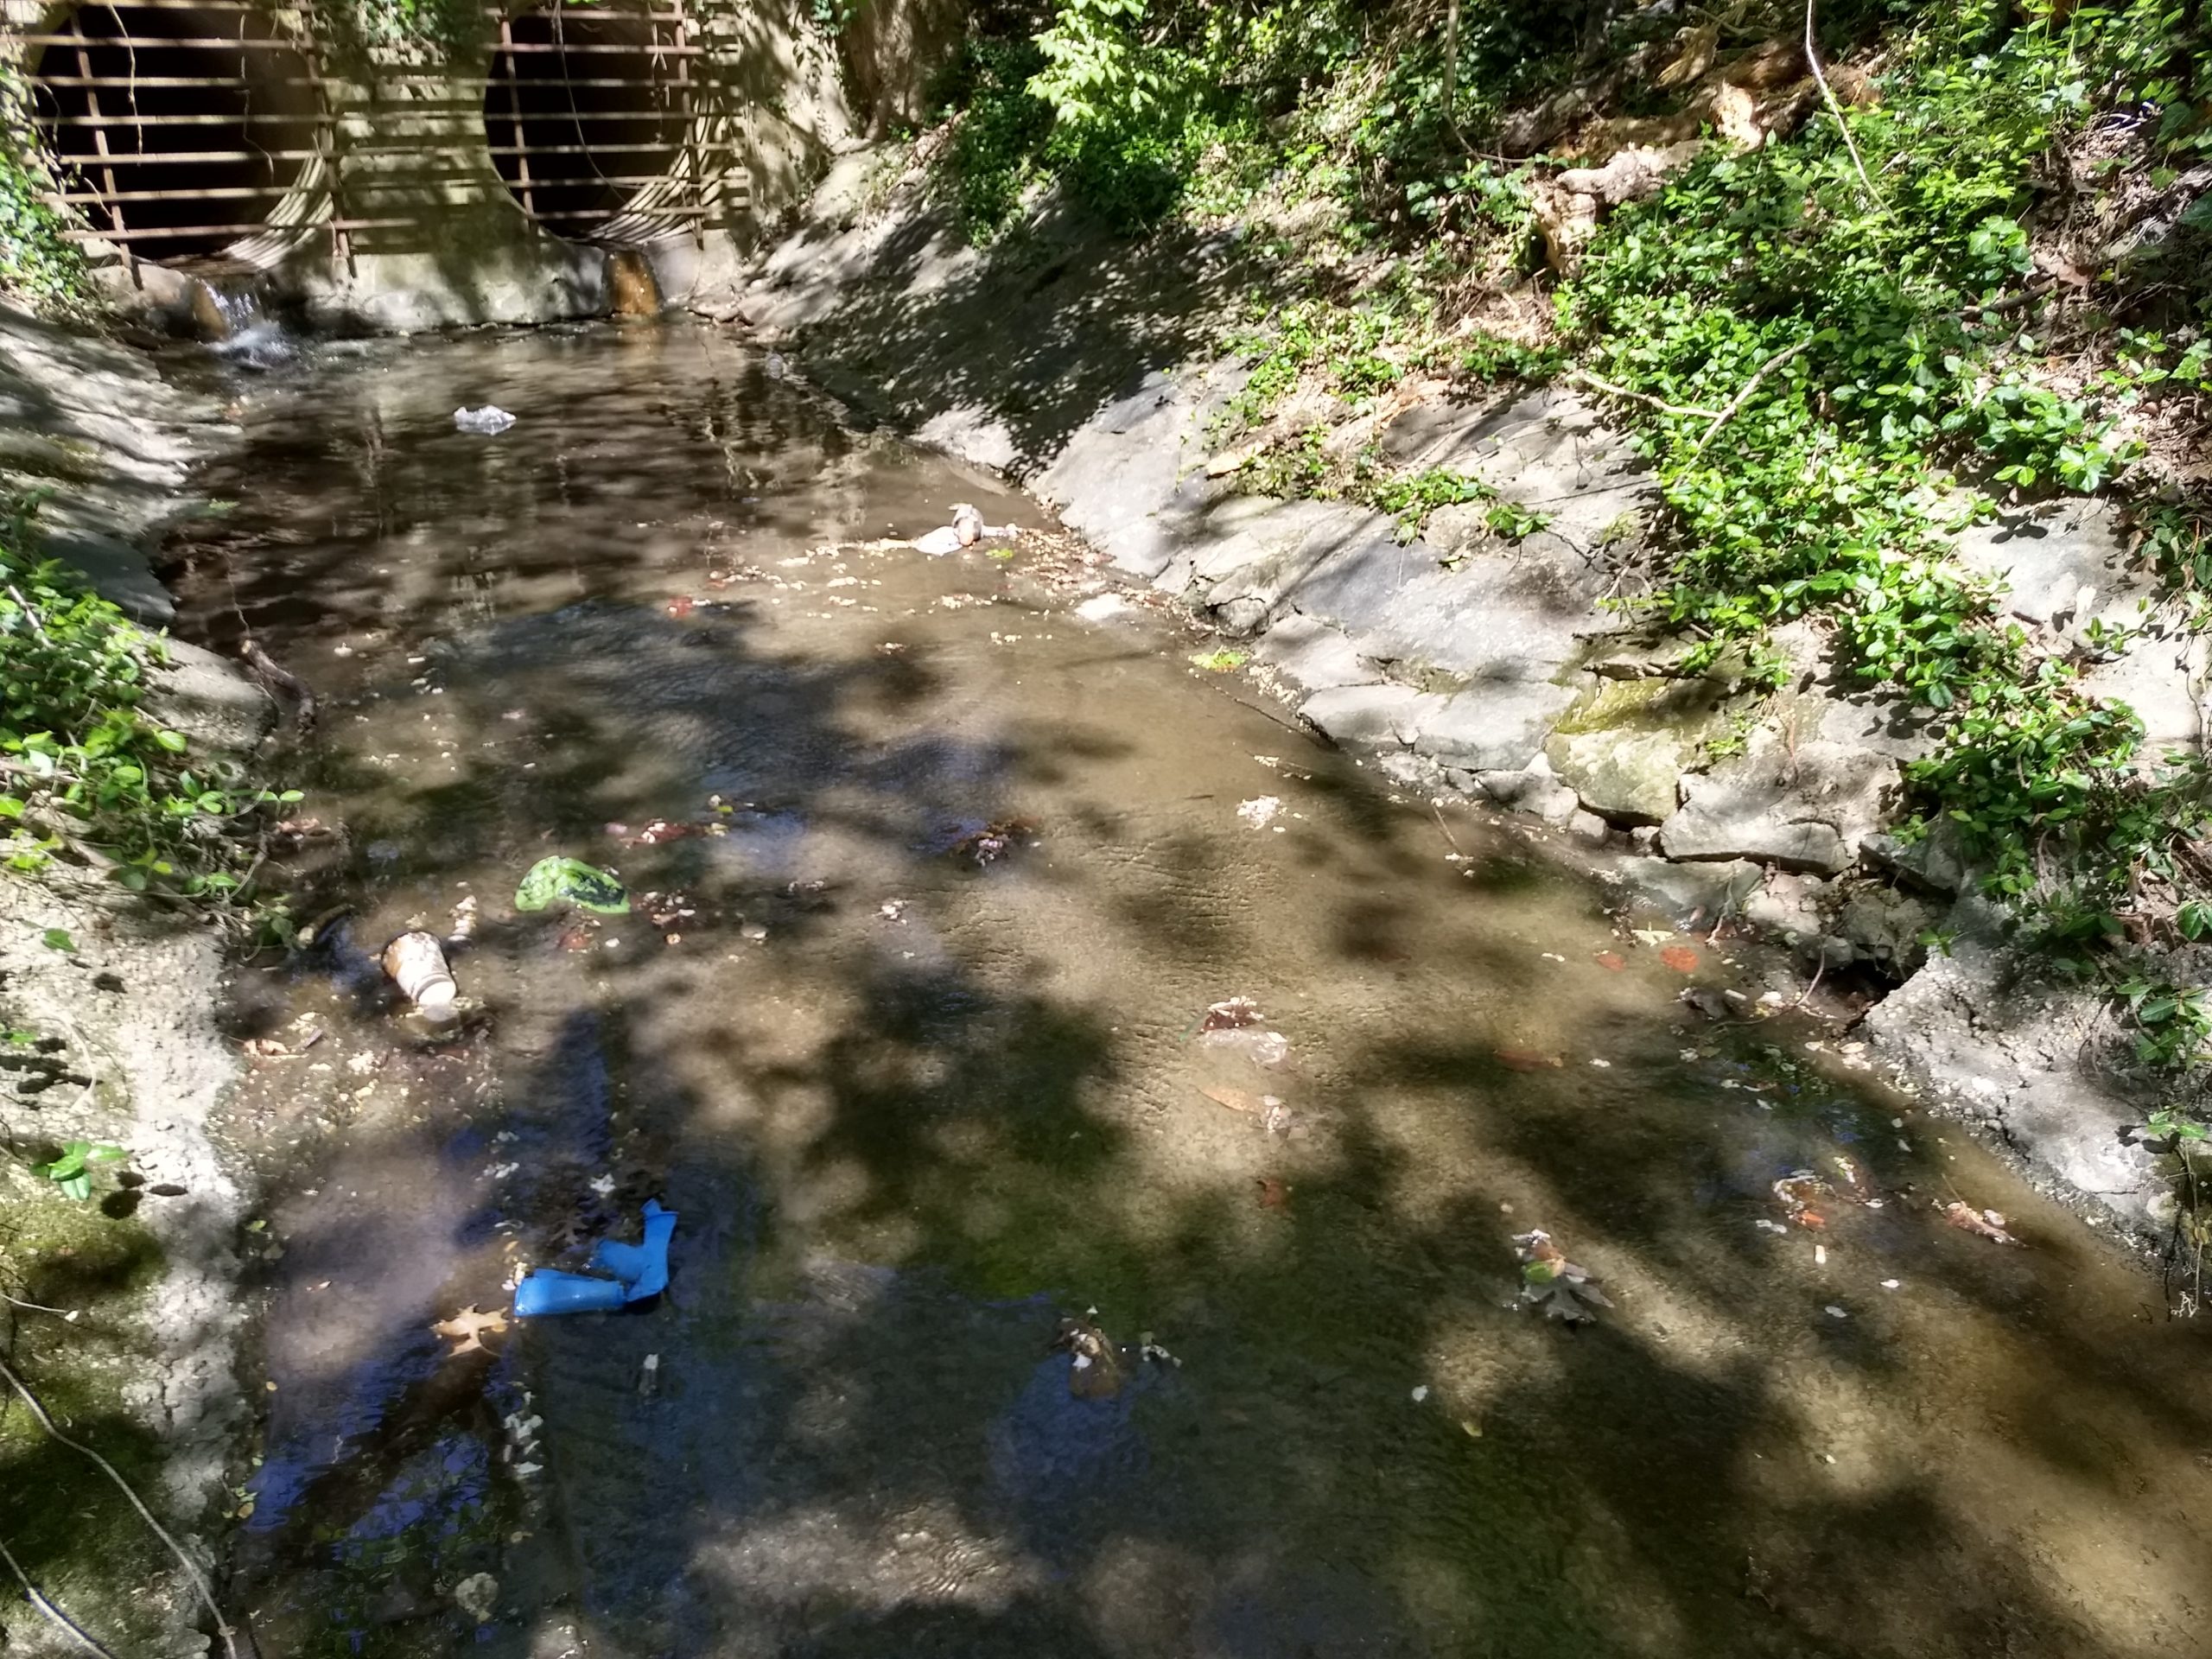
(577, 882)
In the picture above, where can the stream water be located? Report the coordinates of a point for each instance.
(906, 1024)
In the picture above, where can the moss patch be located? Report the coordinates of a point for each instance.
(73, 1531)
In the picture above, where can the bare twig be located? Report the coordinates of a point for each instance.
(191, 1567)
(1806, 996)
(1736, 402)
(1452, 64)
(1584, 377)
(30, 612)
(1813, 60)
(60, 1620)
(35, 1308)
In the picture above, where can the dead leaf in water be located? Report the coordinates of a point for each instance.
(1236, 1100)
(466, 1328)
(1233, 1014)
(1796, 1191)
(1612, 961)
(1527, 1059)
(1680, 957)
(1274, 1193)
(1552, 1282)
(1982, 1223)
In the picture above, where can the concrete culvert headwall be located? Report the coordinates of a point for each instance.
(587, 111)
(176, 129)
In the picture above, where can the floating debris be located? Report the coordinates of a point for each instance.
(575, 882)
(490, 420)
(416, 964)
(1552, 1282)
(1982, 1223)
(466, 1329)
(994, 840)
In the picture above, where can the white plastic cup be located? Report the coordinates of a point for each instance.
(416, 964)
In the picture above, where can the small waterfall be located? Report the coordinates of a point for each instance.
(233, 323)
(630, 283)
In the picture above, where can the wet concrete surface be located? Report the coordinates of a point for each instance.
(908, 1023)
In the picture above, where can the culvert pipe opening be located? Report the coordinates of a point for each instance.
(176, 129)
(585, 111)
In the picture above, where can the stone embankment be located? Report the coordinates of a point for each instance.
(124, 1018)
(1498, 667)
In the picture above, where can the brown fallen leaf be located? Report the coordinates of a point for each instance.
(1611, 960)
(1236, 1100)
(1563, 1290)
(466, 1328)
(1680, 957)
(1527, 1059)
(1098, 1370)
(1274, 1194)
(1982, 1223)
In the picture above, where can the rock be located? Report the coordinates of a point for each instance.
(2059, 564)
(1723, 821)
(206, 697)
(1530, 790)
(478, 1597)
(1933, 863)
(1378, 714)
(1624, 752)
(2038, 1059)
(1695, 895)
(1884, 927)
(1313, 655)
(1803, 803)
(1547, 450)
(1589, 829)
(1495, 728)
(1791, 906)
(2162, 677)
(1492, 725)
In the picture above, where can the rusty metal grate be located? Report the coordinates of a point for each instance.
(589, 120)
(178, 128)
(182, 130)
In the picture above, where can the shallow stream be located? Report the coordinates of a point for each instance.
(907, 1024)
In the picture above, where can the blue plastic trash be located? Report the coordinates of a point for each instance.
(640, 1270)
(643, 1266)
(548, 1290)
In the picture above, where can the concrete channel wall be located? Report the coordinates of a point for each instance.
(543, 161)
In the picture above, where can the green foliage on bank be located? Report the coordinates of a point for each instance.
(40, 268)
(89, 778)
(1833, 359)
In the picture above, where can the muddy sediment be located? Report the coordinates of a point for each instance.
(1100, 1119)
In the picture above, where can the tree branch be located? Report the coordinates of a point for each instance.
(1813, 59)
(1736, 402)
(1584, 377)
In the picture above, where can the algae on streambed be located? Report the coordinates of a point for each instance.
(916, 1107)
(71, 1531)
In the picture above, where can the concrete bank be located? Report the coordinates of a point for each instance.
(111, 1003)
(1494, 667)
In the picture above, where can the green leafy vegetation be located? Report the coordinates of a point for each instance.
(73, 1171)
(86, 776)
(40, 268)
